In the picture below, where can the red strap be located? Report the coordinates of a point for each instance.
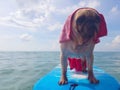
(77, 64)
(72, 63)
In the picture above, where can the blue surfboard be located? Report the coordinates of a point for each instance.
(76, 81)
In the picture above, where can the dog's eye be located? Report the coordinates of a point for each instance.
(80, 20)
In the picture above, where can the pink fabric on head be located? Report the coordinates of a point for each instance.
(102, 29)
(67, 28)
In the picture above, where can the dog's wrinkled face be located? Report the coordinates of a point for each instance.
(86, 24)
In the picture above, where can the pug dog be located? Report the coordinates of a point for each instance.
(85, 24)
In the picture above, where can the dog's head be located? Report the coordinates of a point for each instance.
(85, 24)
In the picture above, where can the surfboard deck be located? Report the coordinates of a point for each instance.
(76, 81)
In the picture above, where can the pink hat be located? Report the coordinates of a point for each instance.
(67, 29)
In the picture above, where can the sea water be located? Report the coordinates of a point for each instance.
(21, 70)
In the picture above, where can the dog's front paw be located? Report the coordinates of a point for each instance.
(63, 81)
(93, 80)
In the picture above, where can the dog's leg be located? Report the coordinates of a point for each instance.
(63, 79)
(91, 76)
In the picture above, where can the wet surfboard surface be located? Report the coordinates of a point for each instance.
(76, 81)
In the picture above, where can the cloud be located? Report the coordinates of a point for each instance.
(114, 10)
(34, 14)
(26, 37)
(80, 4)
(55, 26)
(114, 45)
(114, 14)
(116, 42)
(89, 3)
(24, 18)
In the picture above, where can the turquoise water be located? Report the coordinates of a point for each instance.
(20, 70)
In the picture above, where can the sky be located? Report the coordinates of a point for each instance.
(35, 25)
